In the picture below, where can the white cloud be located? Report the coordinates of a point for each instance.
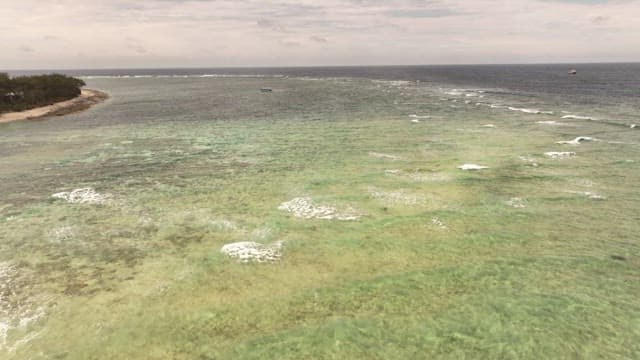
(168, 33)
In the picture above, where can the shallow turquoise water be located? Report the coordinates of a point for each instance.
(186, 165)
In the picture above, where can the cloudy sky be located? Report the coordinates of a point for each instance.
(46, 34)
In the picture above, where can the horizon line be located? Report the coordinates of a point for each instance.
(320, 66)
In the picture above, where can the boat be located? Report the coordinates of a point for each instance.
(266, 89)
(572, 72)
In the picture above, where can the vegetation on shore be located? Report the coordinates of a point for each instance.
(28, 92)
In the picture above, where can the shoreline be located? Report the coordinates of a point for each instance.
(84, 101)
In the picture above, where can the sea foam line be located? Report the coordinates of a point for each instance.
(530, 111)
(161, 76)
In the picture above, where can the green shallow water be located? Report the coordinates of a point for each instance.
(441, 264)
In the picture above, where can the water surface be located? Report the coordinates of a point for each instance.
(533, 257)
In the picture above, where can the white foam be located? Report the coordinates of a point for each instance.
(128, 76)
(530, 111)
(384, 156)
(577, 140)
(223, 224)
(82, 196)
(428, 177)
(420, 176)
(63, 233)
(396, 197)
(16, 315)
(516, 202)
(557, 155)
(577, 117)
(437, 222)
(248, 251)
(262, 233)
(304, 207)
(550, 122)
(589, 194)
(533, 161)
(414, 116)
(395, 83)
(472, 167)
(489, 126)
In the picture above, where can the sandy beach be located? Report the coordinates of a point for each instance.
(82, 102)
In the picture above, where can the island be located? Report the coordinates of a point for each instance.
(31, 97)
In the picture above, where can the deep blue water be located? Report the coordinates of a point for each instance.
(611, 89)
(599, 80)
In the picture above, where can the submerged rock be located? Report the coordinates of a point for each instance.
(249, 251)
(82, 196)
(472, 167)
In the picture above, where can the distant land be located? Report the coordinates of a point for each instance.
(28, 97)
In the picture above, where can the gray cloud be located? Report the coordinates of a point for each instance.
(270, 24)
(599, 20)
(283, 10)
(319, 39)
(581, 2)
(420, 13)
(290, 43)
(135, 45)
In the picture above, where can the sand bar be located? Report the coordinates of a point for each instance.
(82, 102)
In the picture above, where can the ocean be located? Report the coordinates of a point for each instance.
(369, 237)
(610, 85)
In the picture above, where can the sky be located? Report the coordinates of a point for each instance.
(68, 34)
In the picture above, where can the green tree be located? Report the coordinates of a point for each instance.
(26, 92)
